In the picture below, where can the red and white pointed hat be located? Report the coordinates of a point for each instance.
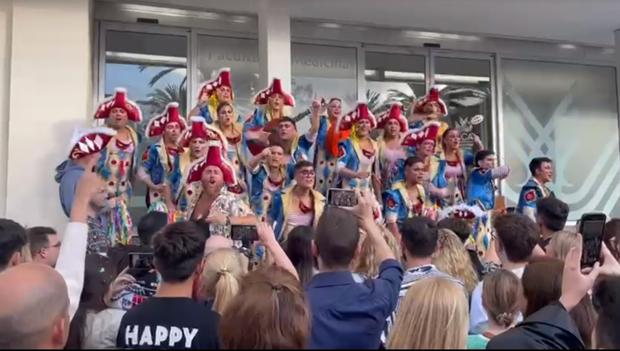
(462, 211)
(415, 137)
(202, 130)
(119, 100)
(262, 98)
(432, 96)
(214, 157)
(157, 124)
(361, 112)
(395, 112)
(86, 142)
(222, 78)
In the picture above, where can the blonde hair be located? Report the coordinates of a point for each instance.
(452, 258)
(221, 276)
(433, 315)
(367, 263)
(561, 242)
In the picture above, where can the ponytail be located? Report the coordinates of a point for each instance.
(226, 287)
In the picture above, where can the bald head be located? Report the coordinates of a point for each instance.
(33, 307)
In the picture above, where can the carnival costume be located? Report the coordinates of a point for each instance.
(481, 188)
(161, 163)
(226, 203)
(351, 155)
(326, 153)
(263, 188)
(478, 218)
(531, 192)
(390, 162)
(398, 206)
(285, 218)
(262, 118)
(116, 165)
(213, 137)
(420, 109)
(207, 92)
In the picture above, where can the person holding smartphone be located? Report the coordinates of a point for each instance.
(298, 205)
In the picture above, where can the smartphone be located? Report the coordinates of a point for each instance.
(140, 263)
(341, 197)
(245, 233)
(591, 226)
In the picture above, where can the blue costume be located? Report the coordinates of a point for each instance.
(262, 190)
(444, 172)
(398, 206)
(281, 209)
(351, 155)
(164, 165)
(480, 187)
(531, 192)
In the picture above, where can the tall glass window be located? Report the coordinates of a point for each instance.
(153, 69)
(467, 93)
(241, 56)
(570, 116)
(393, 77)
(322, 71)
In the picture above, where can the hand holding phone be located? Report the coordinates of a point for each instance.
(341, 197)
(591, 227)
(244, 233)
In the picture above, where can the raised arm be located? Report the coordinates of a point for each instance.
(268, 238)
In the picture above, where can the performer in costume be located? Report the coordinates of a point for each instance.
(326, 153)
(408, 198)
(421, 143)
(297, 205)
(430, 109)
(392, 154)
(296, 147)
(272, 104)
(118, 160)
(84, 153)
(232, 130)
(211, 94)
(541, 169)
(357, 154)
(268, 176)
(198, 139)
(163, 162)
(208, 198)
(480, 221)
(481, 187)
(449, 167)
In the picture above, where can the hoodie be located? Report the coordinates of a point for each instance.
(68, 174)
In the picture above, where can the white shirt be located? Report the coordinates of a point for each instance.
(477, 314)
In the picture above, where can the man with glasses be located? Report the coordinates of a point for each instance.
(297, 205)
(44, 245)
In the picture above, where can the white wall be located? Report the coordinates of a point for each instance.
(50, 93)
(6, 13)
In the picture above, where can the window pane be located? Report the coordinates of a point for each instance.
(153, 68)
(241, 56)
(323, 71)
(393, 77)
(468, 93)
(570, 116)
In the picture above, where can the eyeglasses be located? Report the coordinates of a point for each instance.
(307, 173)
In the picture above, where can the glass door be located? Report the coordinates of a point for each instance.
(466, 86)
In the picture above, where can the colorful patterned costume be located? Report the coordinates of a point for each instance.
(390, 162)
(326, 158)
(480, 188)
(227, 203)
(263, 189)
(261, 119)
(531, 192)
(116, 165)
(351, 155)
(207, 92)
(398, 206)
(480, 221)
(450, 174)
(164, 164)
(431, 98)
(280, 211)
